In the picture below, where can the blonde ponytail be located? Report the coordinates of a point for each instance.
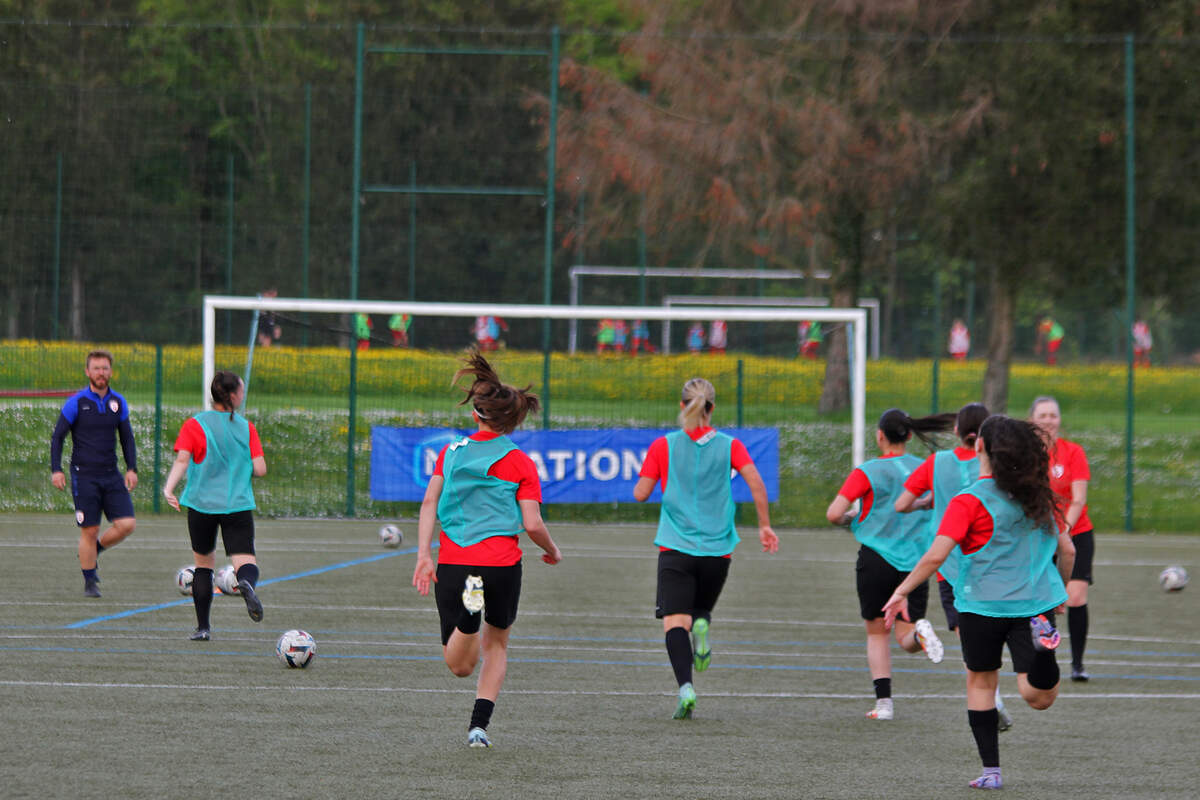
(698, 398)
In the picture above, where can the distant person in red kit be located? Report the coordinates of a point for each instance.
(1050, 336)
(641, 337)
(718, 336)
(960, 341)
(1143, 342)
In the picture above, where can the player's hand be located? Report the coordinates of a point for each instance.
(58, 480)
(130, 480)
(172, 500)
(552, 556)
(424, 573)
(896, 606)
(768, 539)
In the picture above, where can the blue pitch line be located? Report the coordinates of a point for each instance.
(378, 557)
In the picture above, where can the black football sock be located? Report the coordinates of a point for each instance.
(883, 688)
(985, 725)
(248, 573)
(481, 715)
(1044, 672)
(1077, 624)
(202, 595)
(679, 650)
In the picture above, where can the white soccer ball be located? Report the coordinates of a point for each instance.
(1173, 579)
(183, 580)
(296, 649)
(226, 579)
(390, 536)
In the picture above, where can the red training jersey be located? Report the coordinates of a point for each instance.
(1068, 463)
(857, 485)
(495, 551)
(192, 439)
(967, 522)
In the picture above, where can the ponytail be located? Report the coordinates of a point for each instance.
(898, 426)
(698, 398)
(503, 407)
(224, 385)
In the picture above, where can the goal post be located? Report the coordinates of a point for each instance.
(854, 318)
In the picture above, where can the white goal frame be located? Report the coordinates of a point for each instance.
(855, 318)
(871, 304)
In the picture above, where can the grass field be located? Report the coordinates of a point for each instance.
(106, 698)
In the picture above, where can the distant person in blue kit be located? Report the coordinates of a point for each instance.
(891, 545)
(484, 492)
(220, 451)
(1007, 528)
(696, 532)
(96, 417)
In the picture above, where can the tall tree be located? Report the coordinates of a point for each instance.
(756, 143)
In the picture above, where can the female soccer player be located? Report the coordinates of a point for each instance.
(219, 450)
(483, 492)
(934, 483)
(696, 532)
(1004, 527)
(891, 544)
(1069, 475)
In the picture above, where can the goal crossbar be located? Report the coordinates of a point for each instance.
(856, 318)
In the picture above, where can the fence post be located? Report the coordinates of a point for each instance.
(1130, 274)
(158, 401)
(350, 426)
(57, 239)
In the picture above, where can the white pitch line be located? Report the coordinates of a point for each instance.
(557, 692)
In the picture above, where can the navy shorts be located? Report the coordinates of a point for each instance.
(237, 532)
(876, 580)
(983, 639)
(689, 584)
(501, 594)
(99, 493)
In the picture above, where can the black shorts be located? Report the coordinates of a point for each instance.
(689, 584)
(876, 580)
(946, 593)
(237, 532)
(100, 493)
(501, 594)
(983, 639)
(1085, 552)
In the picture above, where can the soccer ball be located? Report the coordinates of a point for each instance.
(1173, 579)
(390, 536)
(227, 581)
(296, 649)
(183, 580)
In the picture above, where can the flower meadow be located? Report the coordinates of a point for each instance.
(300, 400)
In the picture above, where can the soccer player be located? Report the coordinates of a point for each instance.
(933, 484)
(960, 341)
(484, 491)
(399, 324)
(220, 451)
(1004, 527)
(1050, 335)
(96, 417)
(696, 533)
(891, 545)
(1143, 343)
(1069, 476)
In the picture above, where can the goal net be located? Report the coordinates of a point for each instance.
(348, 395)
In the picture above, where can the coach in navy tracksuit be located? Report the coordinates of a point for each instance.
(92, 417)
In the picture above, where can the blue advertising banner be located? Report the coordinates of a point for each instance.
(575, 466)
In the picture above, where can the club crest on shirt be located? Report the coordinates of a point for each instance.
(114, 406)
(1057, 471)
(79, 517)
